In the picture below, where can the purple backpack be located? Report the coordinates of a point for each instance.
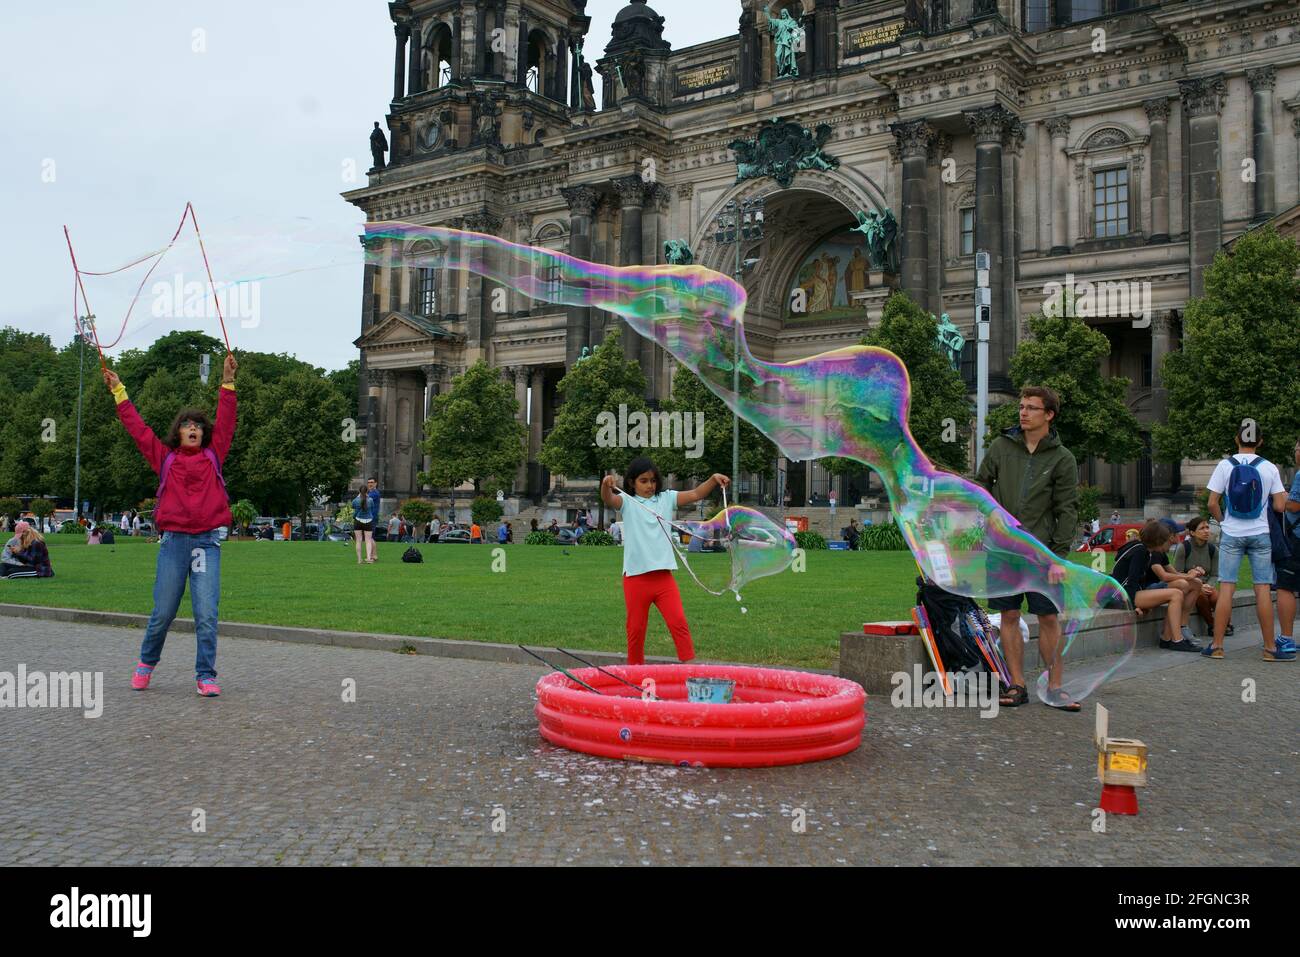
(167, 465)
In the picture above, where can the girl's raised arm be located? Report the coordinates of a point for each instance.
(149, 444)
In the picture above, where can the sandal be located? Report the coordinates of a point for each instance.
(1058, 699)
(1014, 697)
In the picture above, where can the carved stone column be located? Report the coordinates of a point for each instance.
(1262, 82)
(535, 434)
(914, 140)
(479, 319)
(1011, 156)
(519, 375)
(1058, 128)
(402, 32)
(631, 195)
(377, 452)
(825, 36)
(415, 83)
(940, 149)
(582, 205)
(1158, 116)
(1162, 473)
(1202, 101)
(990, 126)
(521, 50)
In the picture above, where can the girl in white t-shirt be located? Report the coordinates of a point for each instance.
(649, 558)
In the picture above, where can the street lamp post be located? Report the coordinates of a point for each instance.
(84, 323)
(738, 224)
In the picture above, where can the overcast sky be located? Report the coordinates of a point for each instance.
(117, 114)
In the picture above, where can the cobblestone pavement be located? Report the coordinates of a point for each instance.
(287, 773)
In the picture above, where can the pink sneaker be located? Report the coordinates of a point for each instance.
(140, 680)
(208, 687)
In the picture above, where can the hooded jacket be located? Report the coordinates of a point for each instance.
(1040, 489)
(194, 500)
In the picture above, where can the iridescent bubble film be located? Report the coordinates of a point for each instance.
(850, 403)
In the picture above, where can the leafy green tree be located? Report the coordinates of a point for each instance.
(243, 512)
(25, 357)
(1065, 354)
(297, 453)
(417, 511)
(23, 433)
(939, 414)
(347, 381)
(1240, 355)
(11, 508)
(689, 396)
(178, 352)
(593, 388)
(486, 510)
(472, 434)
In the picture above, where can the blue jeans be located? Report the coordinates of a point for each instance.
(182, 557)
(1232, 550)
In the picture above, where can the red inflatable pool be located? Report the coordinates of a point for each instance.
(775, 717)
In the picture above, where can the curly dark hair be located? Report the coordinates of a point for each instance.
(173, 440)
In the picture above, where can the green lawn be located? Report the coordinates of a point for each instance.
(544, 598)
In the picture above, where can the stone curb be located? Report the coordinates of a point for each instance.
(435, 647)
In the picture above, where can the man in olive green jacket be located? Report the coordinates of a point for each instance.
(1036, 479)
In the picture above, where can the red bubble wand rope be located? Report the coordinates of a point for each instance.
(80, 286)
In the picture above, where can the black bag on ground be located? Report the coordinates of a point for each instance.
(413, 555)
(947, 612)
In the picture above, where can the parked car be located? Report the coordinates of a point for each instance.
(454, 534)
(1109, 538)
(566, 535)
(312, 534)
(338, 532)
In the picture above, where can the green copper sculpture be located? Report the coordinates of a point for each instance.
(949, 340)
(780, 150)
(789, 39)
(881, 230)
(678, 253)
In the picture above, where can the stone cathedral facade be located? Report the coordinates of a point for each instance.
(1105, 141)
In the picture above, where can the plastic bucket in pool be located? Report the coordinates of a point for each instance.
(709, 690)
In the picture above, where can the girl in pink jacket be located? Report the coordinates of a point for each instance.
(192, 505)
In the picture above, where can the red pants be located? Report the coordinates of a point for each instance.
(660, 589)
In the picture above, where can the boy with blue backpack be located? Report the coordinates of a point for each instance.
(1246, 484)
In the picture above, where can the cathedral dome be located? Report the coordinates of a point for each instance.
(637, 27)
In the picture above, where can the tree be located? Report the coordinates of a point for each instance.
(472, 433)
(243, 512)
(297, 453)
(178, 352)
(1241, 350)
(691, 396)
(1065, 354)
(593, 390)
(25, 358)
(32, 422)
(939, 413)
(11, 508)
(42, 508)
(417, 511)
(347, 380)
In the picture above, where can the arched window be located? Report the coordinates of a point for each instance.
(437, 58)
(538, 44)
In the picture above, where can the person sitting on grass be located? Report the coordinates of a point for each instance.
(25, 555)
(95, 537)
(1142, 568)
